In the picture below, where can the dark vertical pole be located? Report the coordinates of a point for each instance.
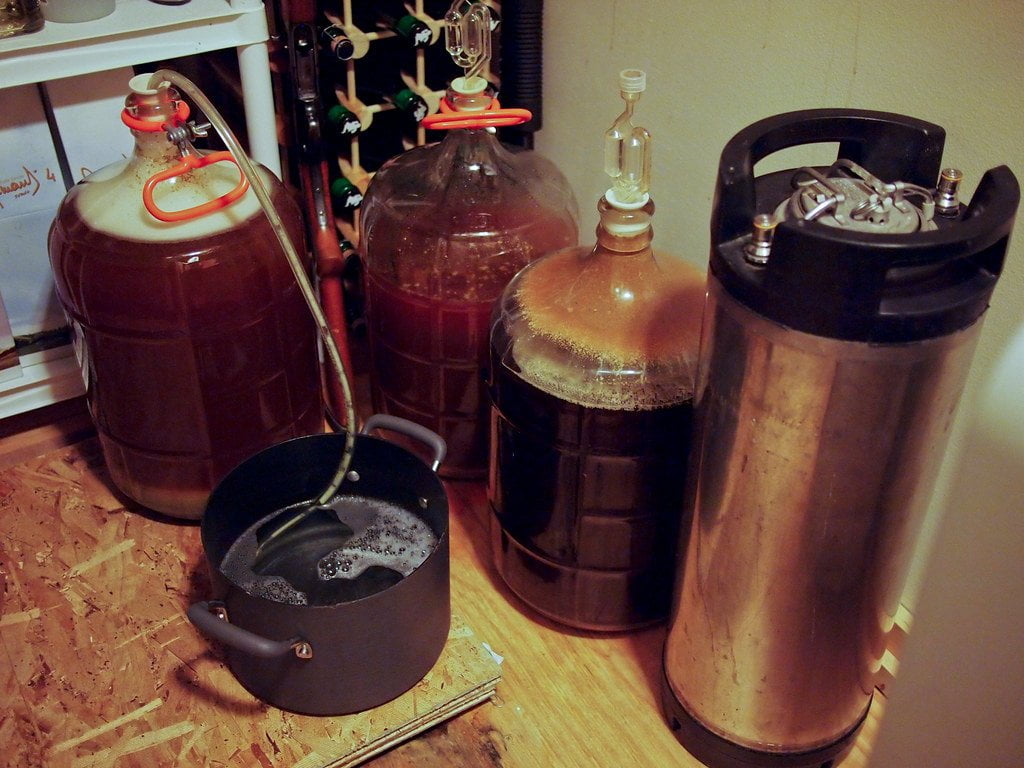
(522, 65)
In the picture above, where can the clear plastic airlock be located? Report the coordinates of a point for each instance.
(467, 37)
(469, 101)
(627, 154)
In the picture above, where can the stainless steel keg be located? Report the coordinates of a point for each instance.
(844, 304)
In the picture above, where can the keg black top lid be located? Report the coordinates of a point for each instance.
(874, 248)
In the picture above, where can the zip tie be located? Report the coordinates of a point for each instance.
(151, 126)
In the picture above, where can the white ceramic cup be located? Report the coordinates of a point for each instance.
(77, 10)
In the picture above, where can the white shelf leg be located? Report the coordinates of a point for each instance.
(254, 67)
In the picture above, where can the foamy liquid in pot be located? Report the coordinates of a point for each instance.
(396, 539)
(237, 567)
(388, 545)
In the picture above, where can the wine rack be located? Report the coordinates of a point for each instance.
(383, 66)
(360, 77)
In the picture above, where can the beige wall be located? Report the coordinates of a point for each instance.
(714, 67)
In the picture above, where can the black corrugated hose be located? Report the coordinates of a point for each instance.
(522, 66)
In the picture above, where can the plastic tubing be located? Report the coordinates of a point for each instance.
(197, 96)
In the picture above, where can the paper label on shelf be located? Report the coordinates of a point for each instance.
(9, 365)
(26, 281)
(30, 177)
(87, 110)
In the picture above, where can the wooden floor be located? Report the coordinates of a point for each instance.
(565, 698)
(33, 433)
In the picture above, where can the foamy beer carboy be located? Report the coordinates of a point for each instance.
(843, 309)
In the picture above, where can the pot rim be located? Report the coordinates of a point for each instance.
(441, 497)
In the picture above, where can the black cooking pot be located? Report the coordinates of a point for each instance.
(346, 656)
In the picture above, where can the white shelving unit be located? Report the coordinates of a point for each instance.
(139, 31)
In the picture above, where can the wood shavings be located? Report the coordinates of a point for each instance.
(100, 667)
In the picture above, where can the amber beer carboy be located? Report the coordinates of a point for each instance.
(592, 359)
(844, 305)
(194, 338)
(444, 227)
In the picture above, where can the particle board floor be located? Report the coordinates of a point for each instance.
(100, 667)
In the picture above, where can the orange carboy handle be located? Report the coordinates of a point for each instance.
(188, 163)
(492, 117)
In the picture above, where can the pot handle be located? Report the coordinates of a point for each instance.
(410, 429)
(211, 618)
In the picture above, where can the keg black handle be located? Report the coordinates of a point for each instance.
(848, 284)
(893, 147)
